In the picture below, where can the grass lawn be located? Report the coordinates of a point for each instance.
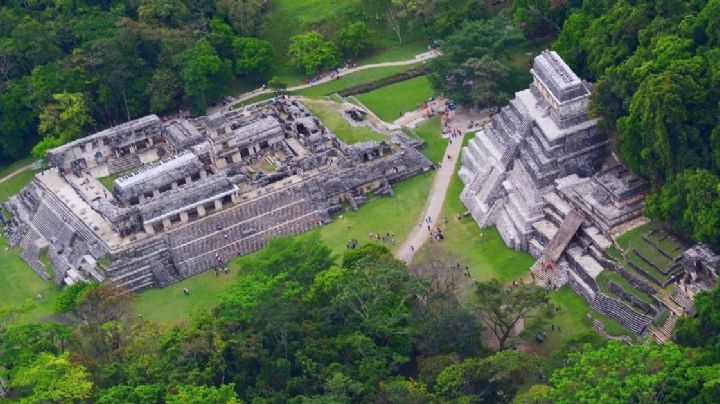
(332, 118)
(107, 182)
(571, 318)
(343, 83)
(19, 283)
(431, 132)
(611, 326)
(607, 275)
(170, 306)
(397, 215)
(386, 102)
(13, 185)
(286, 18)
(5, 170)
(405, 51)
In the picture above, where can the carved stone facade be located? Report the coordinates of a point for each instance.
(195, 193)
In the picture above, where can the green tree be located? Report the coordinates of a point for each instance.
(494, 379)
(471, 56)
(312, 53)
(353, 40)
(253, 57)
(52, 378)
(203, 73)
(490, 82)
(633, 373)
(501, 307)
(164, 90)
(189, 394)
(245, 16)
(143, 394)
(62, 121)
(702, 330)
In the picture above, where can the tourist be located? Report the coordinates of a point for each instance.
(412, 248)
(186, 291)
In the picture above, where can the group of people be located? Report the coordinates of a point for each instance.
(333, 74)
(388, 237)
(352, 244)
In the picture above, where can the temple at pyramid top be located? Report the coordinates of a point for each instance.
(557, 77)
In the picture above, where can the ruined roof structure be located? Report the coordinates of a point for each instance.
(540, 172)
(192, 194)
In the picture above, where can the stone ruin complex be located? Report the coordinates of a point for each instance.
(192, 194)
(542, 173)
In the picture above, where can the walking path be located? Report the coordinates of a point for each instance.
(418, 58)
(434, 204)
(16, 172)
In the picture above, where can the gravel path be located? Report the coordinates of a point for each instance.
(418, 58)
(434, 204)
(16, 172)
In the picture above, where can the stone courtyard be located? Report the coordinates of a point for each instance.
(542, 172)
(192, 194)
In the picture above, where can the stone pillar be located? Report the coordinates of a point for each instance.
(201, 211)
(188, 180)
(218, 204)
(174, 185)
(141, 198)
(166, 223)
(235, 197)
(184, 217)
(203, 173)
(156, 192)
(149, 229)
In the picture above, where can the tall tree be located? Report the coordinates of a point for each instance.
(253, 57)
(203, 73)
(502, 307)
(632, 373)
(52, 378)
(62, 121)
(312, 53)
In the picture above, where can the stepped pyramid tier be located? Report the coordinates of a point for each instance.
(193, 194)
(542, 135)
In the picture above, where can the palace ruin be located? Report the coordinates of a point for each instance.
(192, 194)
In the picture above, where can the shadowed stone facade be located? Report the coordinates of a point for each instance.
(195, 193)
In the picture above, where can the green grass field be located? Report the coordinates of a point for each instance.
(405, 51)
(170, 306)
(343, 83)
(431, 132)
(571, 319)
(397, 215)
(13, 185)
(331, 117)
(107, 182)
(387, 102)
(17, 182)
(291, 17)
(19, 283)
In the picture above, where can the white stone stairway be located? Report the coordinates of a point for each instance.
(548, 275)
